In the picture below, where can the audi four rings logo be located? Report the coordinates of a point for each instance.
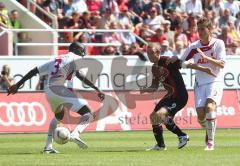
(22, 114)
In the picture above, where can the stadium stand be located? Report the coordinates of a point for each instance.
(175, 19)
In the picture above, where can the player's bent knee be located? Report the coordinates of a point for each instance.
(155, 118)
(159, 116)
(210, 107)
(152, 115)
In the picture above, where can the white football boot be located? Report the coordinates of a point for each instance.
(50, 151)
(156, 147)
(76, 139)
(209, 146)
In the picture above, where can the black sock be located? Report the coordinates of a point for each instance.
(171, 126)
(158, 134)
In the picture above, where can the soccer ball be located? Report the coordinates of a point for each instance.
(61, 135)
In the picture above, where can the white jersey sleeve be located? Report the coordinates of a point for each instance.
(221, 51)
(44, 68)
(189, 52)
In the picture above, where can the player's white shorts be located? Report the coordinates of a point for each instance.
(58, 95)
(212, 90)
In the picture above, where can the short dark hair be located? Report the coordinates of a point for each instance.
(77, 48)
(205, 22)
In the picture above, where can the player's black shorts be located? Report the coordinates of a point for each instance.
(173, 105)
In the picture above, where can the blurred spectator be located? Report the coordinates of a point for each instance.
(86, 23)
(94, 5)
(5, 80)
(189, 21)
(235, 50)
(125, 49)
(179, 49)
(180, 6)
(237, 23)
(68, 8)
(153, 4)
(206, 4)
(74, 23)
(155, 20)
(165, 49)
(232, 6)
(4, 19)
(137, 6)
(179, 35)
(170, 34)
(159, 36)
(110, 4)
(217, 7)
(79, 6)
(192, 34)
(112, 37)
(54, 7)
(168, 4)
(15, 23)
(215, 22)
(136, 50)
(96, 50)
(195, 7)
(223, 21)
(127, 37)
(175, 19)
(226, 38)
(106, 19)
(110, 50)
(145, 34)
(124, 19)
(14, 20)
(233, 32)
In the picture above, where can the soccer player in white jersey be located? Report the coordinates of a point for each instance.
(209, 52)
(60, 97)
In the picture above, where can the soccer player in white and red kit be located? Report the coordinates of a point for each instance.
(60, 98)
(209, 52)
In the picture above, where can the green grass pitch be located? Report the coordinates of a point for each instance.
(122, 149)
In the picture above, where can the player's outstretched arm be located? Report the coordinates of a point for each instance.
(14, 88)
(101, 95)
(198, 67)
(219, 63)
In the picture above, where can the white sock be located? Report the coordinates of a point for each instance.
(211, 118)
(84, 122)
(52, 127)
